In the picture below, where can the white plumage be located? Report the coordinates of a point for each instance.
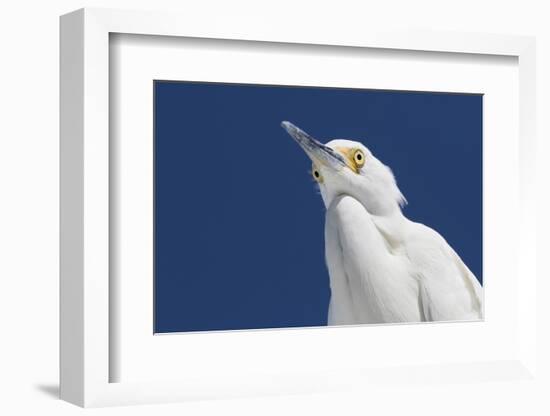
(383, 267)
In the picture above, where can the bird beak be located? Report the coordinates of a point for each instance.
(317, 151)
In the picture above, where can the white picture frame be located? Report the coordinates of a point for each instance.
(85, 194)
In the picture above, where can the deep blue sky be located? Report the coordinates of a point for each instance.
(238, 222)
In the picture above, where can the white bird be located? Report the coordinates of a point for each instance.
(383, 267)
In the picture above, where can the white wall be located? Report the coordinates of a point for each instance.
(29, 204)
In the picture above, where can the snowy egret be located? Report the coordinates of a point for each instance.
(383, 267)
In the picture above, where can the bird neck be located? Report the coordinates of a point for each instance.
(393, 226)
(382, 199)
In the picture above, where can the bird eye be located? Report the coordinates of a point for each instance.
(316, 174)
(359, 158)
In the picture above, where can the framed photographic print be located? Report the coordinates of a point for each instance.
(282, 212)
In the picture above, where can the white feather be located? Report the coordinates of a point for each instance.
(404, 274)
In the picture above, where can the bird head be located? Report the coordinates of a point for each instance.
(345, 167)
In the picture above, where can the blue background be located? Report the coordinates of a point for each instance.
(239, 225)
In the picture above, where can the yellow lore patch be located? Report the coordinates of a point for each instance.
(355, 158)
